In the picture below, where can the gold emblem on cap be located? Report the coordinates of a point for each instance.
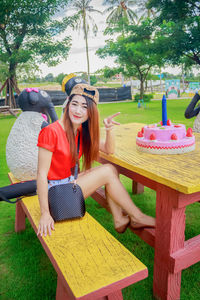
(65, 79)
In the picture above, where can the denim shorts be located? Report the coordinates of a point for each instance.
(60, 181)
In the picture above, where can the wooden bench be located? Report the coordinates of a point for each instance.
(90, 263)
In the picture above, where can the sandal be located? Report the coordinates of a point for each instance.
(135, 225)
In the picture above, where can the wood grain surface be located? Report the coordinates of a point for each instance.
(87, 255)
(180, 171)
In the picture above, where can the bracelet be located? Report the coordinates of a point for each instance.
(108, 128)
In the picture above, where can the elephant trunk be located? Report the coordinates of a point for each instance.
(17, 190)
(50, 110)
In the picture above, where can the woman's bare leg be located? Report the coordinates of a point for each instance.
(106, 175)
(121, 221)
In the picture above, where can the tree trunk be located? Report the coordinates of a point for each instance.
(15, 85)
(160, 81)
(122, 78)
(151, 86)
(183, 80)
(146, 85)
(131, 83)
(12, 86)
(141, 88)
(86, 44)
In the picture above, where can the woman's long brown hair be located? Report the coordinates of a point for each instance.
(90, 134)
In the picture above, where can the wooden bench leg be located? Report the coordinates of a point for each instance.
(115, 296)
(137, 188)
(61, 293)
(20, 218)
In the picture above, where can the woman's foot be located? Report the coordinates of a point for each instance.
(122, 225)
(142, 222)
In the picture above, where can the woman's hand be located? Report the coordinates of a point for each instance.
(109, 122)
(46, 224)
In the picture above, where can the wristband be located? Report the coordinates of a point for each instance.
(108, 128)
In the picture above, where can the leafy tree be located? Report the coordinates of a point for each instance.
(28, 33)
(93, 79)
(178, 27)
(60, 78)
(27, 71)
(108, 72)
(119, 13)
(83, 15)
(84, 76)
(100, 75)
(135, 55)
(49, 77)
(3, 72)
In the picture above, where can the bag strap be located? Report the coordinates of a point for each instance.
(76, 166)
(3, 198)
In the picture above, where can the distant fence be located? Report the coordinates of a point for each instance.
(114, 94)
(105, 95)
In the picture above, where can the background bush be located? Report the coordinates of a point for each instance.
(146, 97)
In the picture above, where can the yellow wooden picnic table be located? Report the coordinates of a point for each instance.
(179, 172)
(176, 180)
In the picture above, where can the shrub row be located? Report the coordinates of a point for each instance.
(146, 97)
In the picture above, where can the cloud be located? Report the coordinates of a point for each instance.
(75, 50)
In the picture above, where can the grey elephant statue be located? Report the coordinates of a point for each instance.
(21, 148)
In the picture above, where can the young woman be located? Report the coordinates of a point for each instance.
(57, 156)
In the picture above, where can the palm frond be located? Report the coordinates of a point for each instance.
(120, 9)
(95, 11)
(94, 25)
(132, 16)
(110, 2)
(108, 9)
(112, 17)
(132, 3)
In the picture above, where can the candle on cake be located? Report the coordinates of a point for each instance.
(164, 111)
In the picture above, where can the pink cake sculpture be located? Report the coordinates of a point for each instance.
(168, 139)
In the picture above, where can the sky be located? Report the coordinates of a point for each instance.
(76, 60)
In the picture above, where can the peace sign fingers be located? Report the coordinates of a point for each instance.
(109, 122)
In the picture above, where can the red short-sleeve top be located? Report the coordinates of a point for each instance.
(54, 139)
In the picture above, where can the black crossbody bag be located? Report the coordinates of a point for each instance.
(66, 201)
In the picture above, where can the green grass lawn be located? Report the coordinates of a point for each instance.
(27, 273)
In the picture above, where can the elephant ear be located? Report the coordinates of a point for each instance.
(33, 98)
(44, 94)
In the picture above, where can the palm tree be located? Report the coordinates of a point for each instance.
(144, 11)
(120, 10)
(84, 9)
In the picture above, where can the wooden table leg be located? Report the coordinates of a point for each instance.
(20, 218)
(137, 188)
(169, 237)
